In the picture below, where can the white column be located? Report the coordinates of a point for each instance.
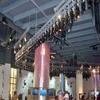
(57, 79)
(1, 80)
(79, 83)
(86, 4)
(52, 83)
(6, 81)
(79, 4)
(62, 82)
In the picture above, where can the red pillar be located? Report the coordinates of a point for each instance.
(41, 68)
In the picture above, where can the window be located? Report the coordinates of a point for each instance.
(13, 80)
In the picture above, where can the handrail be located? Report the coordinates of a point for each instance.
(62, 11)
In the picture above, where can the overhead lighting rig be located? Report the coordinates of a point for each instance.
(57, 27)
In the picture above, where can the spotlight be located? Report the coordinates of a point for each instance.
(25, 39)
(60, 30)
(78, 17)
(59, 17)
(4, 20)
(20, 45)
(14, 51)
(10, 39)
(52, 57)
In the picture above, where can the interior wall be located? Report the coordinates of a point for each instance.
(89, 84)
(70, 84)
(25, 81)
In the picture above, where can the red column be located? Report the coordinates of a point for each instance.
(41, 69)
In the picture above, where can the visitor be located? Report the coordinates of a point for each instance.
(83, 98)
(20, 97)
(77, 12)
(66, 96)
(71, 18)
(29, 97)
(15, 97)
(83, 6)
(0, 97)
(98, 97)
(60, 95)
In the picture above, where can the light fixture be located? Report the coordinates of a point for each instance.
(14, 51)
(59, 17)
(78, 17)
(25, 39)
(4, 20)
(60, 30)
(52, 57)
(10, 39)
(20, 45)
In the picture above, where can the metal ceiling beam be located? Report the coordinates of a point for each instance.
(82, 26)
(77, 41)
(11, 24)
(71, 48)
(14, 5)
(82, 33)
(77, 44)
(40, 9)
(33, 11)
(33, 23)
(77, 50)
(80, 53)
(43, 29)
(90, 63)
(82, 38)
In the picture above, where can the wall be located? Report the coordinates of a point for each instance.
(70, 84)
(89, 84)
(25, 80)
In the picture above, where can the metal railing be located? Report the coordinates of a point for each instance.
(66, 7)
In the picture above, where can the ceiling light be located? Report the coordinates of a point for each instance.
(10, 39)
(20, 45)
(52, 57)
(59, 17)
(25, 39)
(14, 51)
(60, 30)
(78, 17)
(4, 20)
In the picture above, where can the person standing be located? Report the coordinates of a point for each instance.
(15, 97)
(98, 97)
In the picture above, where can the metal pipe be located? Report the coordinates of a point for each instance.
(39, 9)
